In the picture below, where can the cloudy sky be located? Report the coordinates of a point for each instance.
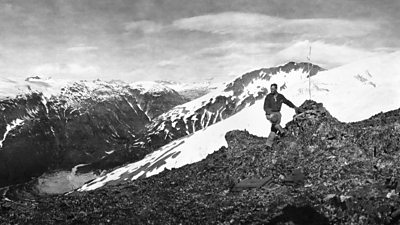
(188, 40)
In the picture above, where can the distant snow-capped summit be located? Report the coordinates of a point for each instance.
(12, 87)
(33, 78)
(152, 87)
(191, 90)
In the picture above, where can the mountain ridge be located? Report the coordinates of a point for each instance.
(344, 175)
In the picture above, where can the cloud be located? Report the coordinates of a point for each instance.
(226, 23)
(65, 69)
(169, 63)
(82, 48)
(254, 24)
(328, 27)
(325, 54)
(232, 58)
(7, 8)
(246, 48)
(251, 24)
(251, 41)
(143, 26)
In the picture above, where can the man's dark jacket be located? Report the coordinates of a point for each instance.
(272, 104)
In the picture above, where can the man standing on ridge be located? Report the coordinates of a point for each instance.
(272, 107)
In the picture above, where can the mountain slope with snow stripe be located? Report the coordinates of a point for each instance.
(352, 92)
(190, 149)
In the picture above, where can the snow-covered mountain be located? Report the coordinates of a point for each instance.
(54, 126)
(224, 102)
(12, 87)
(351, 93)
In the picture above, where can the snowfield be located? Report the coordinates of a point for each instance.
(351, 93)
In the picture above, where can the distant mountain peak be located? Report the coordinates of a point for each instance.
(33, 78)
(312, 68)
(151, 87)
(239, 84)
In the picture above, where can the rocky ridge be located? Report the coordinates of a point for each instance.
(323, 172)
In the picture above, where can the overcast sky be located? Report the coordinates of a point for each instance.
(187, 40)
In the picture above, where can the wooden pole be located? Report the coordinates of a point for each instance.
(309, 72)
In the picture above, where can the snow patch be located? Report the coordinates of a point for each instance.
(63, 181)
(10, 127)
(44, 102)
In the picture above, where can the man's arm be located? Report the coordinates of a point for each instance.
(288, 103)
(267, 106)
(291, 105)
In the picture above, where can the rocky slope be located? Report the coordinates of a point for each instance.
(323, 172)
(84, 122)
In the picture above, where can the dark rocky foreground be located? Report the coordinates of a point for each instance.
(323, 172)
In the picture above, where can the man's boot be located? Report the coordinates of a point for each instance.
(282, 132)
(270, 139)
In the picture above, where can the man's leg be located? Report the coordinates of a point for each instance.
(280, 128)
(275, 127)
(272, 135)
(277, 124)
(270, 139)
